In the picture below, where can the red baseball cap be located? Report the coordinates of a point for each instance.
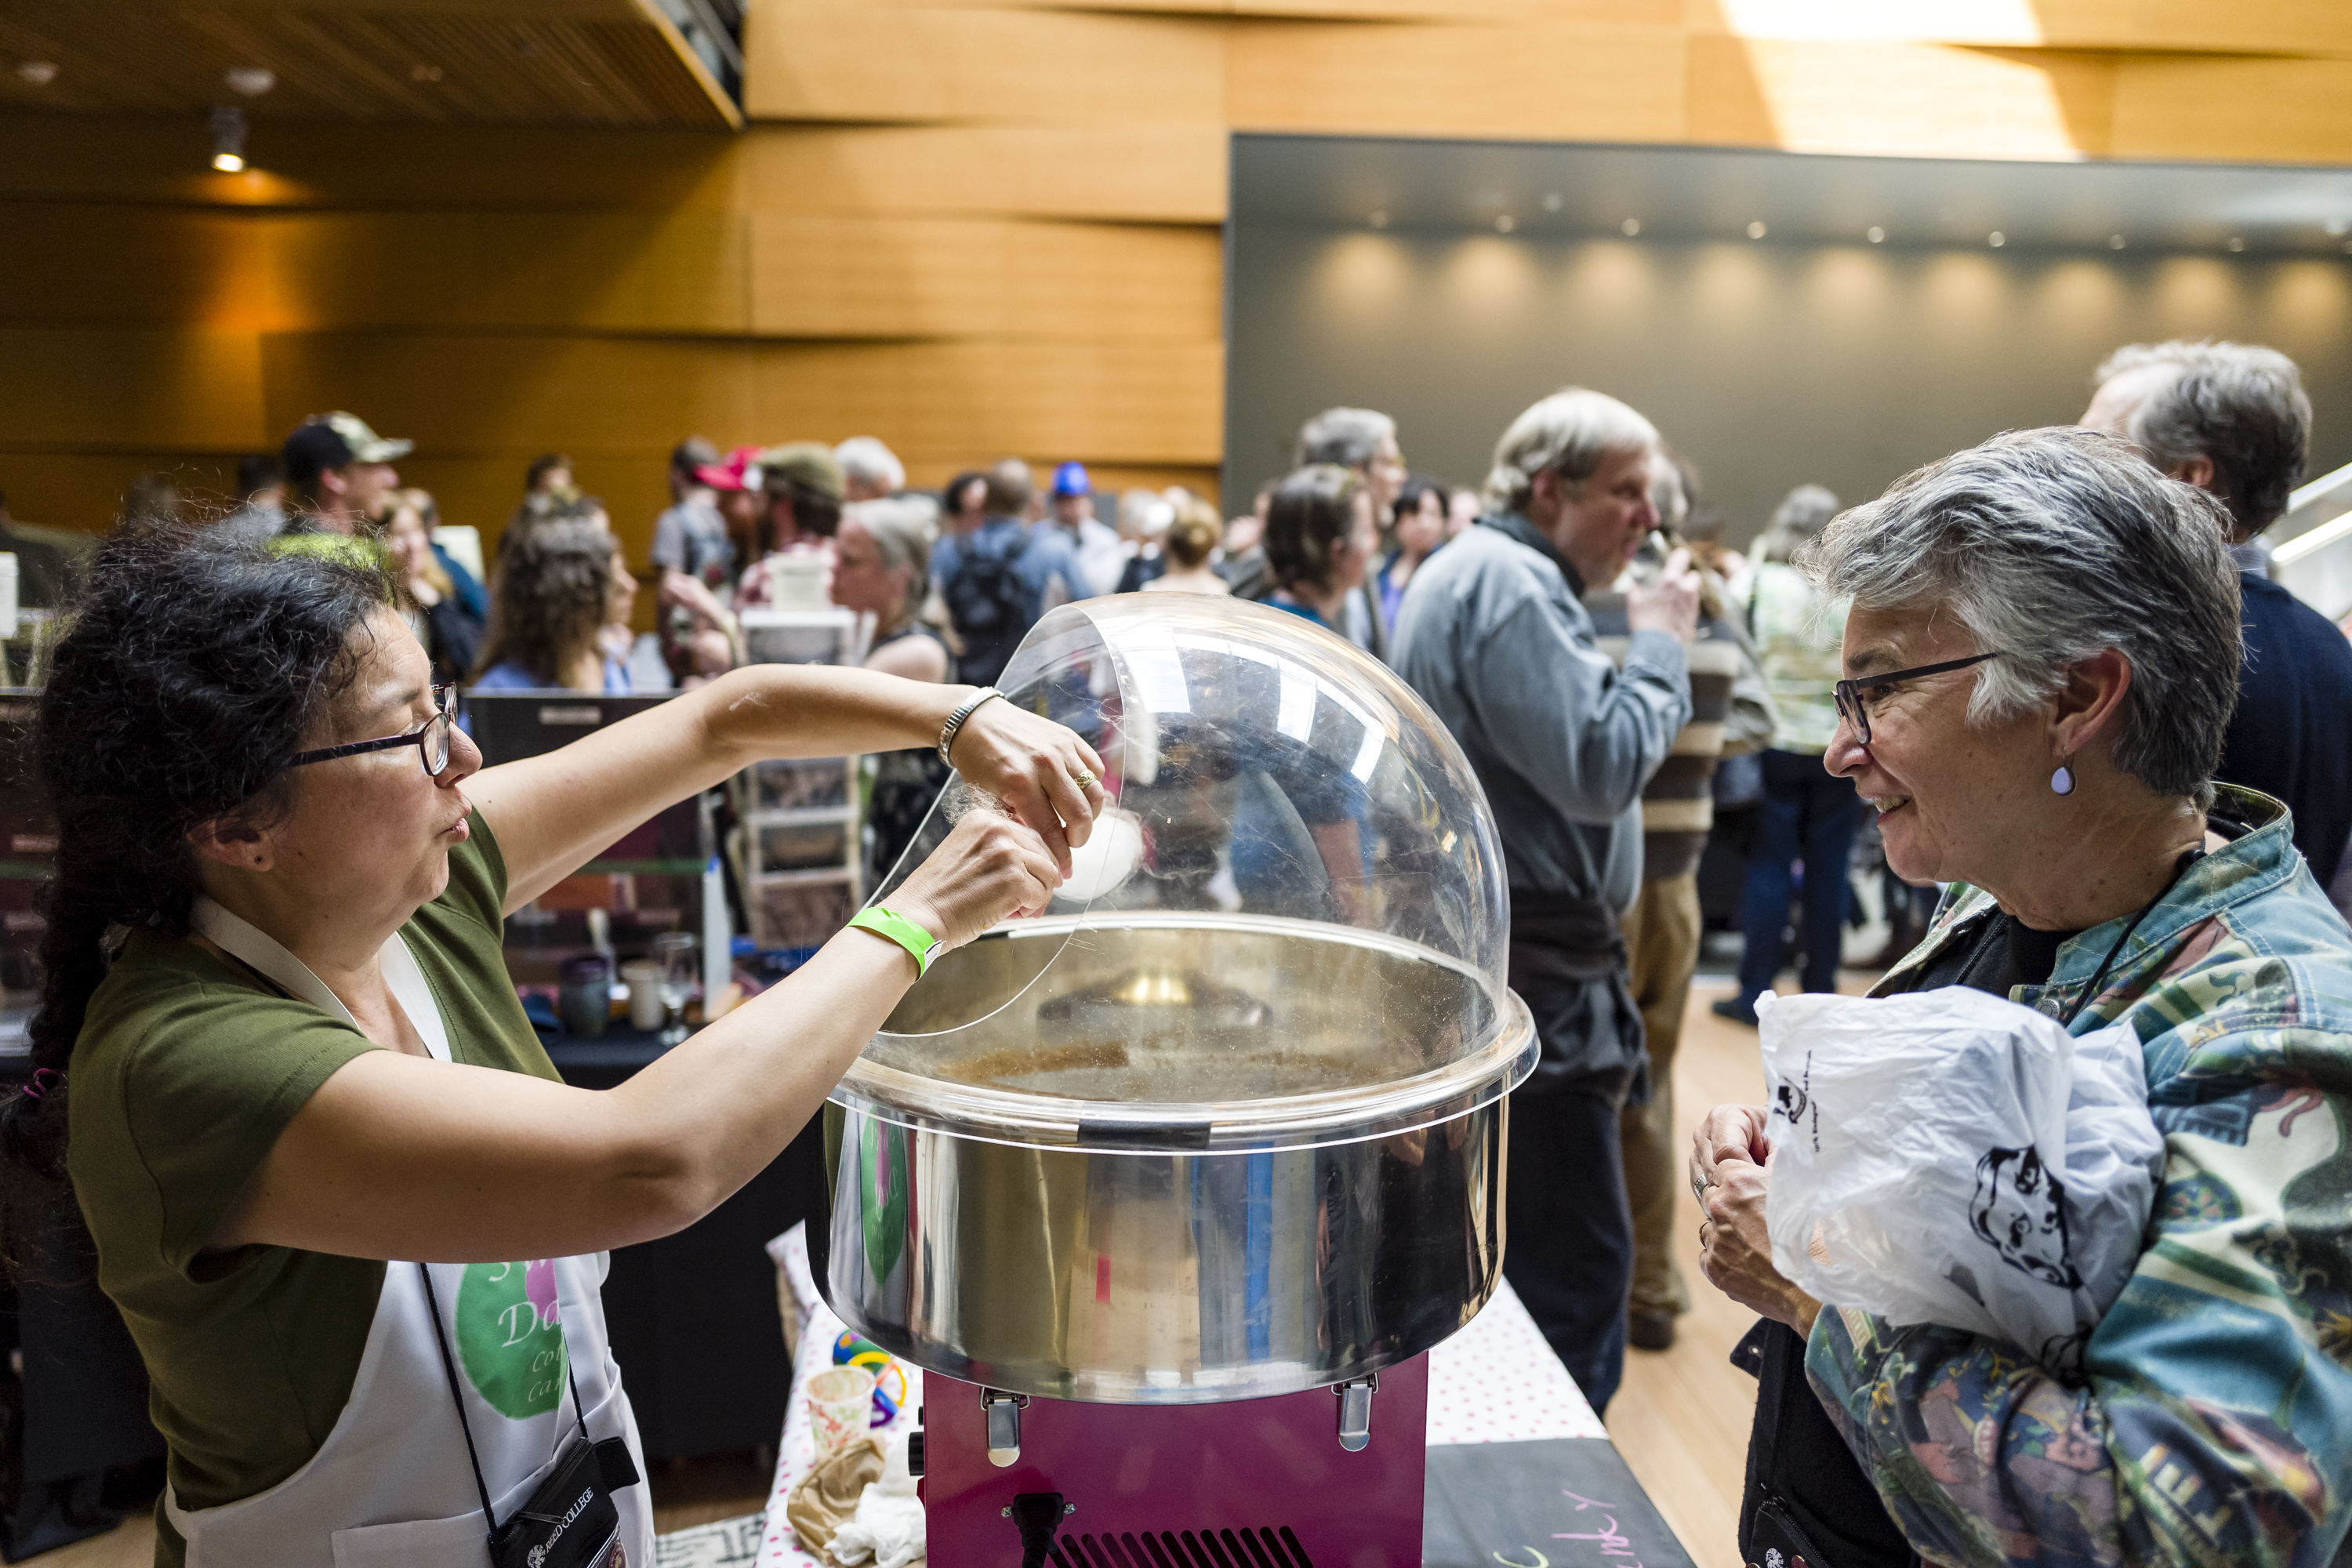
(740, 471)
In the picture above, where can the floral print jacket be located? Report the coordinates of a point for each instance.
(2213, 1423)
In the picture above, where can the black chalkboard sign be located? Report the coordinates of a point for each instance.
(1569, 1502)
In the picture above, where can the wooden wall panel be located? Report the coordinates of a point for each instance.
(84, 489)
(474, 394)
(1135, 402)
(77, 262)
(893, 63)
(831, 276)
(2257, 112)
(304, 164)
(1617, 84)
(1894, 98)
(129, 389)
(683, 271)
(1170, 174)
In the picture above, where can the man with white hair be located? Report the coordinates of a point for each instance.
(1493, 635)
(870, 470)
(2233, 419)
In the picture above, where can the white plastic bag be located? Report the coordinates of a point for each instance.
(1952, 1157)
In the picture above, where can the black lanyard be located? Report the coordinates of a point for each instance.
(2091, 990)
(449, 1369)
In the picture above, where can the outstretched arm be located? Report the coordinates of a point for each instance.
(553, 814)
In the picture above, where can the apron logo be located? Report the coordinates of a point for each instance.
(511, 1336)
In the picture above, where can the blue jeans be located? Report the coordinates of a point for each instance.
(1811, 814)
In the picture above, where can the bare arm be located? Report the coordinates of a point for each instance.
(396, 1156)
(553, 814)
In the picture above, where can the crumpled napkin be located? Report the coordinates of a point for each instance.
(828, 1495)
(888, 1530)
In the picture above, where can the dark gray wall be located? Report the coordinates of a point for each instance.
(1768, 364)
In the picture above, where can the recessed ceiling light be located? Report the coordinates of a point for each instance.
(1377, 218)
(249, 81)
(40, 73)
(1632, 226)
(1551, 201)
(1996, 239)
(1756, 230)
(1875, 235)
(229, 138)
(2237, 242)
(2115, 242)
(1506, 223)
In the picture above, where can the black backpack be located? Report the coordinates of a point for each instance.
(990, 607)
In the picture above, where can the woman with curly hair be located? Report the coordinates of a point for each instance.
(555, 590)
(353, 1217)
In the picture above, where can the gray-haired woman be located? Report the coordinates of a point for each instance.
(2041, 656)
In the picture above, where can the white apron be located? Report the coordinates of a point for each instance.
(390, 1487)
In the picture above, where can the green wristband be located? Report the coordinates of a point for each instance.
(902, 930)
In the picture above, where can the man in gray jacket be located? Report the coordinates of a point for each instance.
(1494, 636)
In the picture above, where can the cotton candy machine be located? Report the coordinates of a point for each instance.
(1170, 1187)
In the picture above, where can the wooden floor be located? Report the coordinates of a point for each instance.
(1680, 1418)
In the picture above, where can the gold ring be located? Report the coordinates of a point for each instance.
(1082, 778)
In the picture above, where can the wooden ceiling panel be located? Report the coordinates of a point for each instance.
(511, 62)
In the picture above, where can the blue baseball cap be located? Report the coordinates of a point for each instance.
(1070, 479)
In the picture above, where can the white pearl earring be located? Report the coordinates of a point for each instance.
(2063, 781)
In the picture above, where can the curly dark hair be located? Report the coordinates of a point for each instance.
(1313, 510)
(550, 599)
(189, 670)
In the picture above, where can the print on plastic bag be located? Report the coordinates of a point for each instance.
(1951, 1157)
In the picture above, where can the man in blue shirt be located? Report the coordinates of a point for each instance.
(2233, 419)
(1494, 635)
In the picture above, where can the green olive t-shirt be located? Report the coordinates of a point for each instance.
(185, 1074)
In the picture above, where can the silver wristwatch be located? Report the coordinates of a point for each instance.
(955, 720)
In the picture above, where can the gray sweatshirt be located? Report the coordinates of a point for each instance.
(1493, 635)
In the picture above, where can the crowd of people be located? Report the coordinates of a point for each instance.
(2055, 666)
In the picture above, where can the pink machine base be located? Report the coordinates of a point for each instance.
(1257, 1483)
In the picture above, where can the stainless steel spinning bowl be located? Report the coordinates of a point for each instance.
(1202, 1158)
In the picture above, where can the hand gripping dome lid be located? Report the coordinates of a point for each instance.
(1288, 929)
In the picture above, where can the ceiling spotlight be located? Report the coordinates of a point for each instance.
(1632, 226)
(1551, 201)
(249, 81)
(421, 72)
(1875, 235)
(1756, 230)
(2115, 242)
(1996, 239)
(2237, 242)
(229, 138)
(38, 73)
(2338, 226)
(1506, 223)
(1378, 219)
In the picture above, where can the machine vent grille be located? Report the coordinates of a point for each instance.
(1266, 1547)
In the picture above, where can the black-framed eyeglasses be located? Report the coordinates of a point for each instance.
(1848, 693)
(431, 740)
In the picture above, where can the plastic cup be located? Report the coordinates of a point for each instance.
(840, 1406)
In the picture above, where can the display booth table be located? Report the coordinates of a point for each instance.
(1554, 1481)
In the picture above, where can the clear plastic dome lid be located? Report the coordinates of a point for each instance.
(1288, 927)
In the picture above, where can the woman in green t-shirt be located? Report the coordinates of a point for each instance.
(274, 989)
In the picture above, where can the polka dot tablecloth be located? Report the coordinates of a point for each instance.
(1495, 1381)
